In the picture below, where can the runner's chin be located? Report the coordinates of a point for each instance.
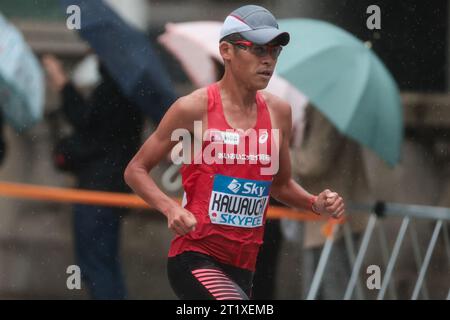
(262, 80)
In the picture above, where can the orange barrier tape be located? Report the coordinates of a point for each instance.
(327, 229)
(27, 191)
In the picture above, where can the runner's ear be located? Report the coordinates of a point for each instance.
(225, 49)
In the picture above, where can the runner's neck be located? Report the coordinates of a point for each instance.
(238, 94)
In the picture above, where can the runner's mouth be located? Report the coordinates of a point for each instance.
(265, 73)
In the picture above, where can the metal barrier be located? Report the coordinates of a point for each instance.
(378, 212)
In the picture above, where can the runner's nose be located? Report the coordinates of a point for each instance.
(267, 60)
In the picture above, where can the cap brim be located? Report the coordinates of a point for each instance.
(264, 36)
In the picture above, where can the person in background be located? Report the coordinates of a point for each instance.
(107, 130)
(328, 158)
(265, 278)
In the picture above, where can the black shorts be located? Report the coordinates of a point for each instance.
(196, 276)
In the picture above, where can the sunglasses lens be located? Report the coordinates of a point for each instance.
(259, 51)
(262, 51)
(276, 51)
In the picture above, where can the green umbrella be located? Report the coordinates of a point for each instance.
(346, 81)
(21, 79)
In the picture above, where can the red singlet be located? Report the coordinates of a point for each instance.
(230, 196)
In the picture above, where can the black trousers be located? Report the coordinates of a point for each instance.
(265, 278)
(97, 238)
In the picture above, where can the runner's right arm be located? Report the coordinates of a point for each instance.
(181, 115)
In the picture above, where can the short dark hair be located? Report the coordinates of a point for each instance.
(237, 36)
(232, 37)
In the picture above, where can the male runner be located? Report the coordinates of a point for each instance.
(219, 228)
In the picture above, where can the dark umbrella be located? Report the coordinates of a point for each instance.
(128, 56)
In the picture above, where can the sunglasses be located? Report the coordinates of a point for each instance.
(259, 50)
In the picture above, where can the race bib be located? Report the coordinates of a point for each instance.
(238, 202)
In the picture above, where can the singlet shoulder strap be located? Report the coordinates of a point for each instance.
(212, 97)
(215, 112)
(264, 114)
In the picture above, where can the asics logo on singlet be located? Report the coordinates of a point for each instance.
(234, 186)
(263, 138)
